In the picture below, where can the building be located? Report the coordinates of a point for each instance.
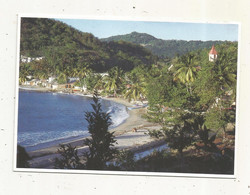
(26, 59)
(213, 54)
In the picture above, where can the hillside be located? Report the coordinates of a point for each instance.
(163, 48)
(66, 48)
(134, 37)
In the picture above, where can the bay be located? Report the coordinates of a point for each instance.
(46, 119)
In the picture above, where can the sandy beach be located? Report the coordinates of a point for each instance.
(125, 135)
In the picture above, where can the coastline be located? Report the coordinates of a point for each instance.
(126, 137)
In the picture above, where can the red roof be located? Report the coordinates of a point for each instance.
(213, 51)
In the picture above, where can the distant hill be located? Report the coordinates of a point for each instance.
(163, 48)
(134, 37)
(66, 48)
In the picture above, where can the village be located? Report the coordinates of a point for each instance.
(184, 103)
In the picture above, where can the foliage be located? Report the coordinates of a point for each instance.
(22, 157)
(71, 52)
(162, 48)
(202, 110)
(136, 84)
(180, 131)
(207, 139)
(113, 81)
(125, 161)
(69, 158)
(92, 81)
(101, 141)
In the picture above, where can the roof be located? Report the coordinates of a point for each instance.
(213, 51)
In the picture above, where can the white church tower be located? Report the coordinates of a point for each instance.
(213, 54)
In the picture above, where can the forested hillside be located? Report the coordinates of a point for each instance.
(66, 48)
(163, 48)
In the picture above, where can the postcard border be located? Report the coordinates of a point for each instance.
(124, 173)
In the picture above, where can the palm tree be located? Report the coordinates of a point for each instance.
(114, 80)
(83, 72)
(62, 78)
(136, 87)
(75, 72)
(135, 91)
(225, 76)
(186, 74)
(24, 72)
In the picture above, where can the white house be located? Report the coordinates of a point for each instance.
(51, 79)
(73, 79)
(54, 86)
(26, 59)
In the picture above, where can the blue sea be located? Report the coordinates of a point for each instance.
(46, 119)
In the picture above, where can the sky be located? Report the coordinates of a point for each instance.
(161, 30)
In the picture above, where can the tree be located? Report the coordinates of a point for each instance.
(125, 161)
(180, 130)
(136, 84)
(92, 81)
(186, 73)
(113, 80)
(24, 71)
(69, 158)
(101, 141)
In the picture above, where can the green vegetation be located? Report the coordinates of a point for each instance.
(100, 148)
(102, 141)
(69, 158)
(162, 48)
(69, 52)
(192, 98)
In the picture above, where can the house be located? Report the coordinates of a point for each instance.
(76, 89)
(212, 54)
(44, 83)
(26, 59)
(26, 83)
(51, 79)
(73, 79)
(35, 82)
(29, 77)
(84, 88)
(54, 86)
(70, 84)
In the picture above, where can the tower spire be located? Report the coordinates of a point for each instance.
(213, 54)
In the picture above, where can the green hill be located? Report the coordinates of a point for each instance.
(66, 48)
(163, 48)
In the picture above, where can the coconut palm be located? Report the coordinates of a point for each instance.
(225, 76)
(186, 73)
(75, 72)
(83, 72)
(113, 81)
(136, 87)
(24, 72)
(136, 91)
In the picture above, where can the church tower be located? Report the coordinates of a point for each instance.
(213, 54)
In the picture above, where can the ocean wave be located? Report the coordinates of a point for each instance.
(59, 119)
(42, 139)
(37, 140)
(118, 114)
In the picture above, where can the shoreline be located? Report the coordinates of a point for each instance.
(126, 137)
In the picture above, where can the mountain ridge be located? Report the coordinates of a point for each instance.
(160, 47)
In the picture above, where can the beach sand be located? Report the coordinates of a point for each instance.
(125, 135)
